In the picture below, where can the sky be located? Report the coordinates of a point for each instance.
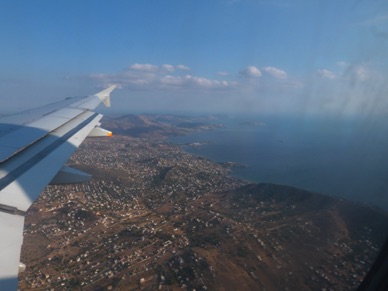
(180, 56)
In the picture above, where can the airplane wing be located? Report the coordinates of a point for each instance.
(34, 146)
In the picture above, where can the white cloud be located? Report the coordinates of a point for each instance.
(275, 72)
(206, 83)
(250, 72)
(144, 67)
(190, 81)
(171, 80)
(326, 74)
(182, 67)
(352, 88)
(168, 67)
(150, 77)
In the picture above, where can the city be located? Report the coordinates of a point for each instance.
(156, 217)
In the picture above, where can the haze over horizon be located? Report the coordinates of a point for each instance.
(246, 56)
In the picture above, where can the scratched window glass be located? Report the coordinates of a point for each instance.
(242, 145)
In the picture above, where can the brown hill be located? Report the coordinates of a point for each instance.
(157, 125)
(280, 237)
(294, 201)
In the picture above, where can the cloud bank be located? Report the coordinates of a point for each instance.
(251, 72)
(345, 87)
(275, 72)
(166, 76)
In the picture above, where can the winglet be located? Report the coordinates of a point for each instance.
(104, 95)
(98, 131)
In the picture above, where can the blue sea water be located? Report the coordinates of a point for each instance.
(343, 157)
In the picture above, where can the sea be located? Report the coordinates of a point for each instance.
(346, 157)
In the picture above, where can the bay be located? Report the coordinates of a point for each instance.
(343, 157)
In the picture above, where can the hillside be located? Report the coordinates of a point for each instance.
(158, 125)
(155, 217)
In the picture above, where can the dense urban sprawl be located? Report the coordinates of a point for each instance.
(155, 217)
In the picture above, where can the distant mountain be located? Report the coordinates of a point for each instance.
(158, 125)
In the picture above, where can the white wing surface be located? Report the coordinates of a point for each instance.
(34, 146)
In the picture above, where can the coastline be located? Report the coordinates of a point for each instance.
(317, 164)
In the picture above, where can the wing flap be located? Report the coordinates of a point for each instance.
(28, 116)
(55, 119)
(20, 137)
(17, 140)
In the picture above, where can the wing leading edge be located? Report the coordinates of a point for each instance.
(34, 146)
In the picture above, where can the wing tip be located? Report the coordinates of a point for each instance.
(104, 95)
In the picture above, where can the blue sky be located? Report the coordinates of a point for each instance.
(253, 56)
